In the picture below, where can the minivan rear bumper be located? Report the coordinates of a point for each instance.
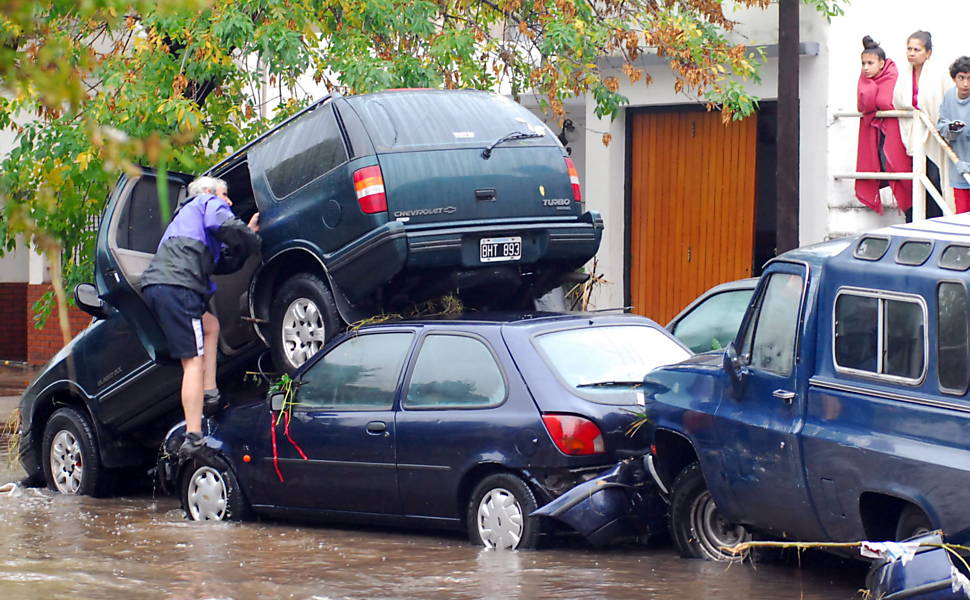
(363, 266)
(542, 241)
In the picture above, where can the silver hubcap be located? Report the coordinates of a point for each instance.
(712, 531)
(67, 465)
(207, 495)
(303, 331)
(500, 520)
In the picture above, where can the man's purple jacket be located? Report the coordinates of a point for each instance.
(204, 238)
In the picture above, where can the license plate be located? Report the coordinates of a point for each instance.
(500, 249)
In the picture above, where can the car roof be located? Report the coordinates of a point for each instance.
(529, 319)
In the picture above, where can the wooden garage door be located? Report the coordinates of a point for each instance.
(692, 209)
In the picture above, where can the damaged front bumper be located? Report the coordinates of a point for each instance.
(621, 502)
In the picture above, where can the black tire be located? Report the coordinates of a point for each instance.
(70, 443)
(912, 522)
(303, 318)
(209, 491)
(696, 526)
(503, 501)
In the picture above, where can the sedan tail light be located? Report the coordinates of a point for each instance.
(574, 435)
(369, 185)
(574, 180)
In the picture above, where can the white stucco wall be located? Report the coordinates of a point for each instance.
(889, 22)
(605, 171)
(827, 146)
(14, 264)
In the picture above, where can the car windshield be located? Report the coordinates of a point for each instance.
(399, 120)
(608, 358)
(713, 323)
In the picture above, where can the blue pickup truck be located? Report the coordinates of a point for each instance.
(840, 411)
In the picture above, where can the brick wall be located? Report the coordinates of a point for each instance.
(43, 343)
(13, 316)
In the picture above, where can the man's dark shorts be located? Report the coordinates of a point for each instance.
(179, 312)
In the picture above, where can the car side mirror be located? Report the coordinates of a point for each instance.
(86, 298)
(652, 387)
(277, 400)
(732, 366)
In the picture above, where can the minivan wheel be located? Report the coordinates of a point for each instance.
(498, 514)
(303, 318)
(211, 492)
(912, 522)
(698, 529)
(71, 461)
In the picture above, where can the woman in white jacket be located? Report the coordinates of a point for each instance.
(921, 85)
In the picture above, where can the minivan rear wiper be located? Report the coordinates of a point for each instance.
(612, 384)
(515, 135)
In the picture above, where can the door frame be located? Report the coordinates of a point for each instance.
(760, 175)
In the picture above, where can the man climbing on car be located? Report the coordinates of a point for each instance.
(204, 238)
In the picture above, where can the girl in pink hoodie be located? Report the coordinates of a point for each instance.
(881, 146)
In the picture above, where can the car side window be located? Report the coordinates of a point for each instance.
(360, 374)
(714, 323)
(952, 335)
(880, 333)
(141, 222)
(772, 338)
(301, 152)
(455, 372)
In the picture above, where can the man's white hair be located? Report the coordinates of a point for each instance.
(207, 185)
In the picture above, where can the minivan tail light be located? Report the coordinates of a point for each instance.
(574, 435)
(369, 185)
(574, 180)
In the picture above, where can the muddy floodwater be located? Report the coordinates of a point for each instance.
(54, 546)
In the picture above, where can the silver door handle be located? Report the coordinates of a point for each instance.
(784, 395)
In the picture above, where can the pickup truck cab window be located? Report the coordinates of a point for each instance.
(880, 334)
(956, 258)
(952, 335)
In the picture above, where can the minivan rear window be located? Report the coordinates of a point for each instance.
(300, 152)
(600, 360)
(431, 119)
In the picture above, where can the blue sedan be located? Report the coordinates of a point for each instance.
(467, 423)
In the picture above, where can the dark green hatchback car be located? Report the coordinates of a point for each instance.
(371, 203)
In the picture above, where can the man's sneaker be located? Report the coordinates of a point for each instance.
(211, 403)
(191, 445)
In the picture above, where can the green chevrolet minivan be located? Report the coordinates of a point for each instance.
(371, 203)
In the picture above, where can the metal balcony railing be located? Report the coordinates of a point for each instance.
(920, 181)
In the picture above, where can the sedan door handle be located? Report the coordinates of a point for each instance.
(376, 427)
(784, 395)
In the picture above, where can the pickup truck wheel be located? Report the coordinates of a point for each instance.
(912, 522)
(71, 461)
(211, 492)
(698, 529)
(303, 318)
(498, 514)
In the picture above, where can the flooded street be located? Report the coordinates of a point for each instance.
(54, 546)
